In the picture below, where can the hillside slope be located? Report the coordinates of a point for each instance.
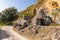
(37, 19)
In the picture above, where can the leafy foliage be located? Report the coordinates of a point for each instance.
(8, 15)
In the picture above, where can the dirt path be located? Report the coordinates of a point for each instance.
(6, 33)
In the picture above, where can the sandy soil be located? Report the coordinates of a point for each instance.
(6, 33)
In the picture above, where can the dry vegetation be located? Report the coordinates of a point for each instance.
(45, 33)
(50, 32)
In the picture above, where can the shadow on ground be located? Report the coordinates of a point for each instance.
(3, 34)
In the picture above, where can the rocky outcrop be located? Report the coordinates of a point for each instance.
(41, 18)
(23, 23)
(39, 25)
(55, 15)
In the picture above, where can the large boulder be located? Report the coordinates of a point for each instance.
(18, 26)
(21, 24)
(46, 21)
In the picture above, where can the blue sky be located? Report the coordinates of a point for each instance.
(19, 4)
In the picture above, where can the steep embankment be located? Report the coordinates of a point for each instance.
(40, 21)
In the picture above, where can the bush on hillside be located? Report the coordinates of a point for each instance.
(8, 15)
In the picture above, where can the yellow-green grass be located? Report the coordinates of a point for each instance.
(54, 24)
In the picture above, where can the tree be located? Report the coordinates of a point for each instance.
(9, 14)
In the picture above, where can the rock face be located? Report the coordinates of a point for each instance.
(46, 21)
(22, 24)
(57, 16)
(26, 17)
(54, 5)
(38, 25)
(41, 18)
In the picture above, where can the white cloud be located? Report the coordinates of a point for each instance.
(2, 4)
(5, 4)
